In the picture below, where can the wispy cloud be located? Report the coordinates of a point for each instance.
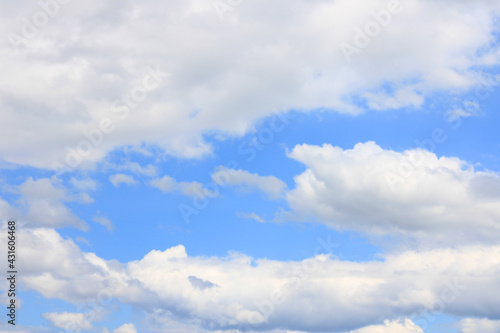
(121, 178)
(105, 222)
(269, 185)
(252, 216)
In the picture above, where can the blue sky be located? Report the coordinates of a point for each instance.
(236, 170)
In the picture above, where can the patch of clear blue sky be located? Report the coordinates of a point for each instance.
(437, 323)
(147, 219)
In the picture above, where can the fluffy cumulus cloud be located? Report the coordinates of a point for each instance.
(374, 190)
(237, 292)
(56, 274)
(103, 75)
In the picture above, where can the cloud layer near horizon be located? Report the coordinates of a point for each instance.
(319, 293)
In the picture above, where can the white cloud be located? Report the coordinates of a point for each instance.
(382, 191)
(270, 185)
(67, 273)
(126, 328)
(60, 89)
(83, 184)
(9, 212)
(225, 292)
(475, 325)
(105, 222)
(193, 189)
(82, 240)
(253, 216)
(397, 326)
(42, 203)
(404, 97)
(168, 184)
(165, 184)
(468, 109)
(148, 170)
(310, 291)
(73, 322)
(121, 178)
